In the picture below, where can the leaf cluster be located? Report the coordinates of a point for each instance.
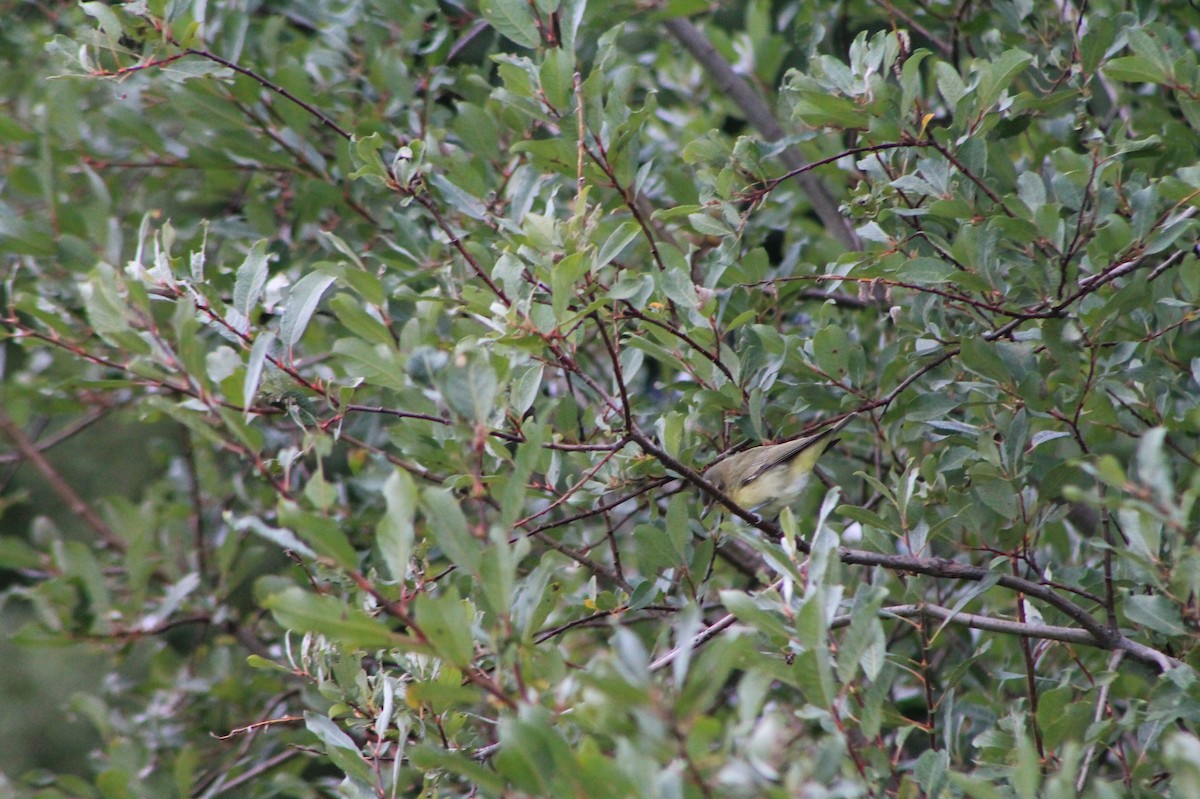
(448, 308)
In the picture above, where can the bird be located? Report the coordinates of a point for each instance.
(770, 477)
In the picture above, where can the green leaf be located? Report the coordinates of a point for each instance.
(106, 19)
(285, 539)
(469, 386)
(1154, 470)
(678, 525)
(526, 388)
(654, 549)
(618, 240)
(367, 159)
(345, 249)
(78, 563)
(864, 645)
(459, 199)
(1148, 45)
(1061, 717)
(394, 533)
(817, 110)
(748, 611)
(297, 609)
(710, 226)
(1026, 771)
(16, 554)
(949, 83)
(1099, 37)
(636, 288)
(513, 20)
(557, 76)
(862, 516)
(926, 271)
(1017, 357)
(831, 350)
(323, 534)
(498, 571)
(537, 596)
(1032, 190)
(301, 304)
(910, 79)
(812, 672)
(643, 594)
(975, 787)
(259, 662)
(1000, 75)
(251, 280)
(340, 747)
(357, 320)
(446, 622)
(930, 771)
(563, 278)
(434, 758)
(1134, 69)
(1181, 751)
(379, 365)
(983, 359)
(445, 690)
(516, 482)
(928, 407)
(994, 491)
(535, 756)
(171, 601)
(1155, 612)
(447, 527)
(255, 365)
(570, 17)
(106, 309)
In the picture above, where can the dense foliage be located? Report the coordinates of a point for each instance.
(419, 323)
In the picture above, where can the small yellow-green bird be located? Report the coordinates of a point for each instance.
(772, 476)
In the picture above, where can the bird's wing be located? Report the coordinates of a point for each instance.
(788, 451)
(784, 454)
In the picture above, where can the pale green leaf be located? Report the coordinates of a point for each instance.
(302, 303)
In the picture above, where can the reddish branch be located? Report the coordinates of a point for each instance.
(75, 503)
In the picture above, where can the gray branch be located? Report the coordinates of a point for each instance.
(759, 114)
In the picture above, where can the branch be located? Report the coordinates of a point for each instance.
(759, 114)
(1050, 632)
(797, 171)
(275, 87)
(255, 772)
(1098, 716)
(1091, 283)
(75, 503)
(87, 420)
(1102, 636)
(702, 637)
